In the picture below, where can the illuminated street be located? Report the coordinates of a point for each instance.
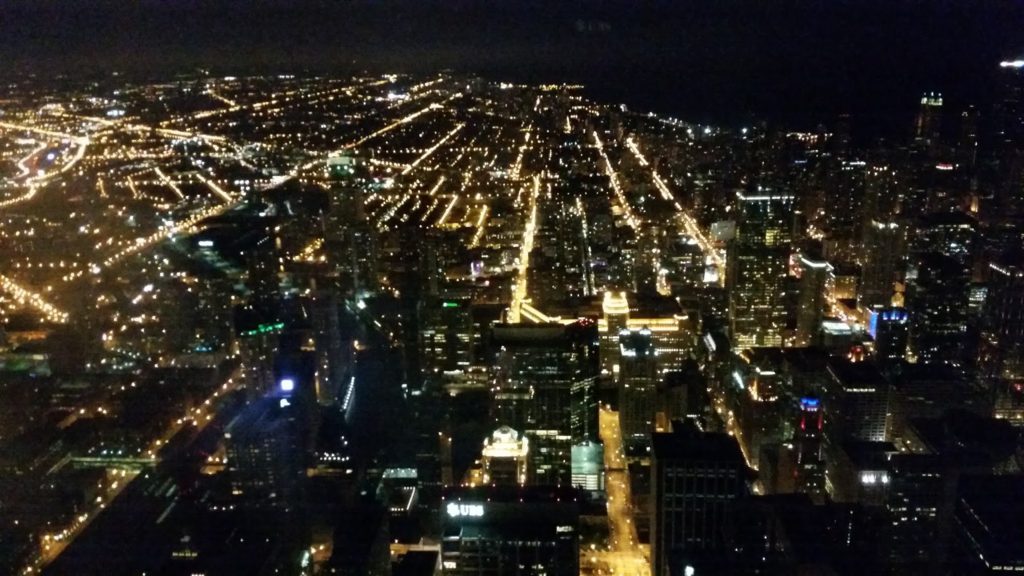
(626, 556)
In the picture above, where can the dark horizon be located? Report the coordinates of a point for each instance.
(797, 62)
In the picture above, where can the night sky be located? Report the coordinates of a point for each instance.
(794, 61)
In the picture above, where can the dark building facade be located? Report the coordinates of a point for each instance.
(696, 479)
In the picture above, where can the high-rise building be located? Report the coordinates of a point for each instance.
(814, 273)
(638, 382)
(615, 319)
(888, 327)
(882, 193)
(671, 327)
(446, 335)
(937, 301)
(510, 531)
(916, 507)
(696, 479)
(504, 458)
(856, 402)
(859, 472)
(546, 387)
(265, 453)
(952, 234)
(843, 214)
(759, 397)
(928, 125)
(988, 512)
(1009, 110)
(350, 240)
(967, 143)
(588, 466)
(333, 352)
(1001, 359)
(807, 441)
(757, 268)
(881, 263)
(1008, 143)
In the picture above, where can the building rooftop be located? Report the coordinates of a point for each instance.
(990, 508)
(510, 494)
(856, 374)
(686, 441)
(863, 454)
(945, 219)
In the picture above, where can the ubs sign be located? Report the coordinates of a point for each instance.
(457, 510)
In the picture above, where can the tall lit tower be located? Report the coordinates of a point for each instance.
(881, 262)
(811, 311)
(615, 308)
(967, 143)
(928, 124)
(1008, 128)
(757, 260)
(1001, 359)
(807, 437)
(350, 238)
(638, 381)
(504, 458)
(937, 299)
(1009, 109)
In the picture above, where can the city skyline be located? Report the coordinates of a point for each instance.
(449, 308)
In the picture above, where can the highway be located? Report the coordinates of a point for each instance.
(625, 555)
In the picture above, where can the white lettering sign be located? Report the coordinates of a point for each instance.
(456, 510)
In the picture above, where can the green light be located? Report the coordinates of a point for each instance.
(264, 329)
(450, 305)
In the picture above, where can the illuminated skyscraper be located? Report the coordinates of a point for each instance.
(937, 291)
(844, 209)
(615, 308)
(546, 387)
(1009, 110)
(1001, 362)
(967, 143)
(952, 234)
(351, 241)
(638, 382)
(928, 125)
(856, 403)
(588, 466)
(812, 304)
(445, 336)
(1008, 143)
(880, 263)
(807, 439)
(504, 458)
(757, 267)
(672, 329)
(266, 452)
(888, 327)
